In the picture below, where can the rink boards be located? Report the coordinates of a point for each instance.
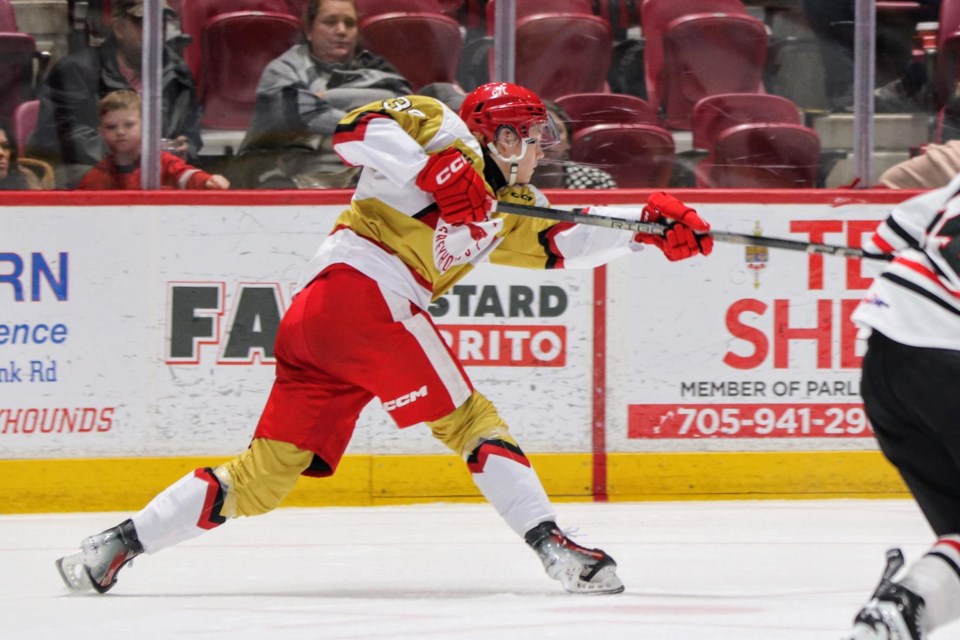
(136, 343)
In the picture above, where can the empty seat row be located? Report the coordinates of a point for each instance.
(620, 14)
(620, 134)
(751, 141)
(754, 140)
(692, 48)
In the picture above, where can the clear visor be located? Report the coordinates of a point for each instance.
(543, 132)
(547, 133)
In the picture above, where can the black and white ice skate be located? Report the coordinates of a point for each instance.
(893, 612)
(579, 570)
(100, 558)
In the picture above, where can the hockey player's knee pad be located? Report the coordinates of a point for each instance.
(476, 461)
(262, 476)
(470, 423)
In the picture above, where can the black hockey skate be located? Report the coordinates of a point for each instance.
(893, 612)
(100, 558)
(579, 570)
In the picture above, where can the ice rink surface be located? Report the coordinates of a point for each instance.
(758, 570)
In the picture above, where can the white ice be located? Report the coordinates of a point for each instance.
(758, 570)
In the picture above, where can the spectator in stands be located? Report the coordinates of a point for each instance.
(301, 97)
(120, 120)
(933, 169)
(66, 134)
(557, 171)
(12, 175)
(832, 22)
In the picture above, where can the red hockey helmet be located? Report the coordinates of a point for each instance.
(492, 106)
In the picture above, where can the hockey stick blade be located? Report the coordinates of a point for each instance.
(576, 217)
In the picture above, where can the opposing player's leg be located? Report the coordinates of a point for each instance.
(252, 483)
(509, 482)
(925, 598)
(922, 440)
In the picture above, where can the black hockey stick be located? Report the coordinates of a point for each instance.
(610, 222)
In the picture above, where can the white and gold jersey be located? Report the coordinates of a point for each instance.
(390, 231)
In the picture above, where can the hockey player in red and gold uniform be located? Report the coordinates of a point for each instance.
(423, 214)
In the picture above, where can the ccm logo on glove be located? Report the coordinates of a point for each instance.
(451, 169)
(460, 191)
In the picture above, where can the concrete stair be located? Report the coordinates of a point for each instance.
(894, 135)
(46, 21)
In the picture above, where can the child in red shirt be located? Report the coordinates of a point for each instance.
(120, 169)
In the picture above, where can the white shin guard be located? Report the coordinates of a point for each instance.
(507, 480)
(184, 510)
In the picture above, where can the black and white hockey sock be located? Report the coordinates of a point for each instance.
(936, 578)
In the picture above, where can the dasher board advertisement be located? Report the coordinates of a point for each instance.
(145, 330)
(752, 349)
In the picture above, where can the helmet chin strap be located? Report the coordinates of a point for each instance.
(513, 161)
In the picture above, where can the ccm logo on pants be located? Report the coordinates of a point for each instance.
(406, 399)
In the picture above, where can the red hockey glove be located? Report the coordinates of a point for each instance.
(683, 224)
(459, 190)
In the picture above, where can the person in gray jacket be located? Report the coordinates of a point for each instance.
(66, 134)
(301, 97)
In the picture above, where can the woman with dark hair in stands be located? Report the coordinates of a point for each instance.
(12, 175)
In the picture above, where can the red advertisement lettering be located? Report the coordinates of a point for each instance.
(507, 346)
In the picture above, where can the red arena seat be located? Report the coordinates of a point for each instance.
(762, 156)
(236, 48)
(24, 122)
(17, 54)
(588, 109)
(636, 155)
(194, 15)
(705, 54)
(713, 114)
(8, 19)
(562, 54)
(435, 57)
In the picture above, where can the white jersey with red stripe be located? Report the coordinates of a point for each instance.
(392, 231)
(915, 299)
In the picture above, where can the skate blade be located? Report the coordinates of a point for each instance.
(74, 574)
(606, 581)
